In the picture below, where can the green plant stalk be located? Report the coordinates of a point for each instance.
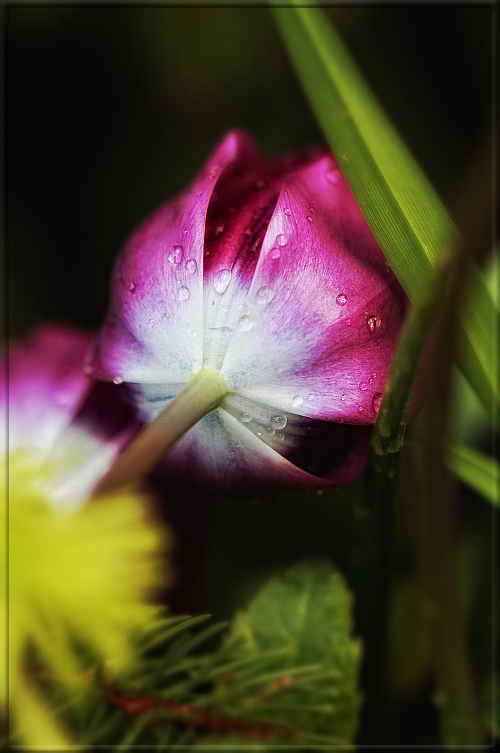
(403, 211)
(204, 392)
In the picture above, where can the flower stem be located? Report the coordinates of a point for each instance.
(203, 393)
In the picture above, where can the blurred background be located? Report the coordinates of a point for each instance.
(111, 111)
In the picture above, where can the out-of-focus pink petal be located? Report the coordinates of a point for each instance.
(44, 382)
(221, 452)
(71, 426)
(154, 329)
(323, 311)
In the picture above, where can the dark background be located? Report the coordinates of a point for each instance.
(112, 110)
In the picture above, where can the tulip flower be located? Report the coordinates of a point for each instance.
(75, 570)
(256, 313)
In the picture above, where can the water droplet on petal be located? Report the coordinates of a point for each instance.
(376, 400)
(166, 316)
(151, 320)
(176, 255)
(343, 397)
(275, 253)
(332, 176)
(280, 369)
(341, 299)
(360, 408)
(264, 295)
(311, 396)
(219, 230)
(288, 212)
(118, 380)
(297, 400)
(281, 240)
(132, 287)
(279, 422)
(374, 374)
(244, 323)
(222, 278)
(348, 322)
(232, 454)
(246, 417)
(370, 381)
(373, 322)
(191, 266)
(363, 386)
(309, 218)
(183, 294)
(270, 431)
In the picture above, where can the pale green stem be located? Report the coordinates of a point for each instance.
(202, 394)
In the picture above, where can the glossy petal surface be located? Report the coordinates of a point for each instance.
(288, 297)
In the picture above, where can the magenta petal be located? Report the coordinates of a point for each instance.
(323, 311)
(225, 455)
(45, 384)
(153, 331)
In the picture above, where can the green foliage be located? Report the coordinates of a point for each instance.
(480, 472)
(402, 209)
(285, 672)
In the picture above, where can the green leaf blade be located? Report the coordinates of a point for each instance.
(480, 472)
(404, 213)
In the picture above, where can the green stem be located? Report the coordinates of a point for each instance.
(202, 394)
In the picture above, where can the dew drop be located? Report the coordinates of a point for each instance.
(151, 320)
(280, 369)
(132, 287)
(222, 279)
(343, 397)
(232, 454)
(348, 322)
(311, 396)
(297, 400)
(374, 374)
(281, 240)
(166, 316)
(118, 380)
(309, 218)
(363, 386)
(270, 431)
(360, 408)
(278, 422)
(176, 255)
(281, 437)
(332, 177)
(376, 400)
(191, 266)
(244, 323)
(370, 381)
(275, 253)
(341, 299)
(246, 417)
(259, 433)
(288, 212)
(264, 295)
(373, 322)
(219, 230)
(183, 294)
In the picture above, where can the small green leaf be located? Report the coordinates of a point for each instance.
(480, 472)
(404, 213)
(306, 612)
